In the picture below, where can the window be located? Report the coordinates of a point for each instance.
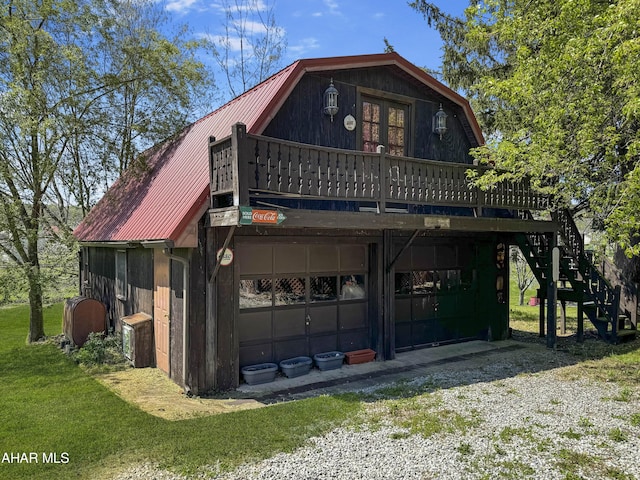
(385, 123)
(289, 291)
(323, 289)
(121, 274)
(256, 293)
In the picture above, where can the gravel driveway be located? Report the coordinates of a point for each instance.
(526, 414)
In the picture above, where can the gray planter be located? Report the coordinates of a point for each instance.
(259, 373)
(329, 360)
(294, 367)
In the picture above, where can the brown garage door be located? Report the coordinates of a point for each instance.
(301, 300)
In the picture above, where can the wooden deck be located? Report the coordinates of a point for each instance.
(245, 167)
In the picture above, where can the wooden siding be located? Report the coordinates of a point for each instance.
(100, 282)
(140, 279)
(301, 118)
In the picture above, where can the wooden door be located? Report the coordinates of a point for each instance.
(161, 300)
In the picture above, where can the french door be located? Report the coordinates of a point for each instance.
(385, 122)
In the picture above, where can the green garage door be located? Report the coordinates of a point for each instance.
(435, 296)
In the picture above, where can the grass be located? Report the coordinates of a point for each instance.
(49, 404)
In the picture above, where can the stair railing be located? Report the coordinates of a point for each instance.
(605, 297)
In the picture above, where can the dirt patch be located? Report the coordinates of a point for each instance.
(155, 393)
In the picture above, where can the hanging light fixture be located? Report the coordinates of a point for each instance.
(331, 100)
(440, 122)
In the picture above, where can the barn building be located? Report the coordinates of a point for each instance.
(327, 208)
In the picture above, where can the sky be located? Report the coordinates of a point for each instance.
(325, 28)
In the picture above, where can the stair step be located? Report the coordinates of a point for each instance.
(626, 335)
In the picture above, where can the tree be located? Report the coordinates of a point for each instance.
(556, 88)
(251, 46)
(71, 102)
(524, 276)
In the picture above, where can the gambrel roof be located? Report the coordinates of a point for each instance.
(158, 201)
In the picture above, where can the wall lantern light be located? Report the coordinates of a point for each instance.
(331, 100)
(440, 122)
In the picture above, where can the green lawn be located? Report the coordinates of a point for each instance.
(526, 317)
(50, 405)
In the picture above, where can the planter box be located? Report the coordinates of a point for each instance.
(294, 367)
(329, 360)
(360, 356)
(259, 373)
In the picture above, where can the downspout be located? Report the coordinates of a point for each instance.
(185, 310)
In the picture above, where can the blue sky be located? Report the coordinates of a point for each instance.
(322, 28)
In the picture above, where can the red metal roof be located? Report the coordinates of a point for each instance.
(158, 200)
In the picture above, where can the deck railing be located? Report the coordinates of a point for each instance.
(243, 164)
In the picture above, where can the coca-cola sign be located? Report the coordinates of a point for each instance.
(255, 216)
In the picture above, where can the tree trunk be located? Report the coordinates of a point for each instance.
(522, 297)
(36, 319)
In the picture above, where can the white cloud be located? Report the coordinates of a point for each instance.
(304, 46)
(250, 6)
(252, 28)
(333, 7)
(180, 6)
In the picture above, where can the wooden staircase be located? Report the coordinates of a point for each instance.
(580, 280)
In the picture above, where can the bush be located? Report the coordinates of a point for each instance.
(101, 349)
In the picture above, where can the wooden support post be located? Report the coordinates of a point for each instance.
(384, 179)
(211, 314)
(241, 154)
(541, 316)
(224, 247)
(388, 296)
(222, 316)
(580, 332)
(376, 301)
(552, 295)
(480, 198)
(563, 317)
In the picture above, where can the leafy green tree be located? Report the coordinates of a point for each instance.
(84, 84)
(556, 85)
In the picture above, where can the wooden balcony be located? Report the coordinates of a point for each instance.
(250, 168)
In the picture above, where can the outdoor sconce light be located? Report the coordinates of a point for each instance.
(331, 100)
(440, 122)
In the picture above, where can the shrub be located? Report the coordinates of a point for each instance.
(101, 349)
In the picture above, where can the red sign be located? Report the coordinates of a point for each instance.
(251, 216)
(264, 216)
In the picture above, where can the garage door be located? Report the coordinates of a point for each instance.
(435, 296)
(301, 300)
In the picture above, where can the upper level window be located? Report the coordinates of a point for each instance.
(384, 122)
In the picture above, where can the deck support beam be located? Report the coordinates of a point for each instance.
(388, 296)
(552, 295)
